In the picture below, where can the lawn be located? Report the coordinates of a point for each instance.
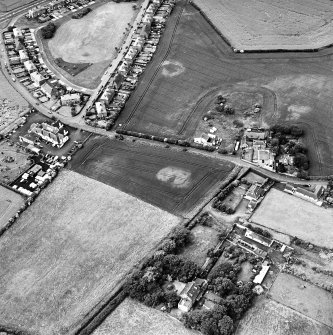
(270, 318)
(132, 317)
(72, 68)
(174, 180)
(204, 238)
(10, 202)
(71, 250)
(271, 25)
(303, 297)
(192, 62)
(296, 217)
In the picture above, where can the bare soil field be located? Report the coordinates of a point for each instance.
(13, 162)
(176, 181)
(272, 25)
(268, 317)
(70, 250)
(7, 5)
(303, 297)
(10, 202)
(192, 61)
(132, 317)
(204, 238)
(93, 38)
(296, 217)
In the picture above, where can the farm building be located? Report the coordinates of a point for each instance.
(311, 194)
(258, 279)
(191, 293)
(69, 99)
(255, 134)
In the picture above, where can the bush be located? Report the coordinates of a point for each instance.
(49, 30)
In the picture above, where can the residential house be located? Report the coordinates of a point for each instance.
(36, 11)
(47, 89)
(206, 139)
(107, 96)
(255, 192)
(258, 238)
(117, 81)
(70, 99)
(14, 60)
(17, 33)
(191, 293)
(255, 134)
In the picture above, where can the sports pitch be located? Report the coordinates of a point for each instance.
(70, 250)
(93, 38)
(291, 215)
(175, 181)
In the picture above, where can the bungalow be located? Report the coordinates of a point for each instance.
(23, 56)
(14, 60)
(37, 78)
(30, 66)
(191, 293)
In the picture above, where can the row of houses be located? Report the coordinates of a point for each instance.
(143, 45)
(26, 65)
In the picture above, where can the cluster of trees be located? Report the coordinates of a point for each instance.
(146, 285)
(292, 130)
(176, 241)
(235, 301)
(222, 107)
(219, 203)
(259, 230)
(49, 30)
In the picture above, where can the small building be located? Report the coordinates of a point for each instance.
(23, 56)
(311, 194)
(70, 99)
(258, 238)
(255, 134)
(258, 279)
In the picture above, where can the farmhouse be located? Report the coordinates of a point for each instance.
(191, 293)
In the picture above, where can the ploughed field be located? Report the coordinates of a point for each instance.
(272, 24)
(192, 61)
(176, 181)
(70, 250)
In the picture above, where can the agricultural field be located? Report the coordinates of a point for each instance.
(71, 249)
(8, 5)
(303, 297)
(272, 25)
(13, 162)
(291, 215)
(132, 317)
(10, 202)
(192, 62)
(174, 180)
(268, 317)
(204, 238)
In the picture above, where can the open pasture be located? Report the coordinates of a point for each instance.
(169, 99)
(10, 202)
(303, 297)
(70, 250)
(176, 181)
(297, 217)
(272, 25)
(267, 317)
(132, 317)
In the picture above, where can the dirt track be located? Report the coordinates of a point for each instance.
(163, 104)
